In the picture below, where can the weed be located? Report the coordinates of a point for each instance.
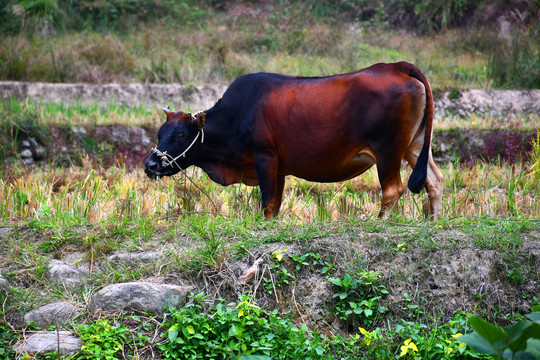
(439, 342)
(513, 57)
(519, 340)
(7, 335)
(534, 170)
(235, 330)
(213, 249)
(310, 260)
(101, 339)
(358, 301)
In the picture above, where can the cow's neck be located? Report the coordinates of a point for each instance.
(217, 156)
(211, 153)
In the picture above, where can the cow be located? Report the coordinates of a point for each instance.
(324, 129)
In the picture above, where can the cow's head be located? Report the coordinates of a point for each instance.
(176, 138)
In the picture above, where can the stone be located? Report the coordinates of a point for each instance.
(131, 258)
(33, 142)
(25, 144)
(58, 313)
(26, 154)
(79, 131)
(65, 274)
(46, 342)
(4, 284)
(39, 153)
(141, 296)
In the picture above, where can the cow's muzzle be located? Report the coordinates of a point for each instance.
(154, 169)
(151, 169)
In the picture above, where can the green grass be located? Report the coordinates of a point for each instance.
(225, 48)
(206, 42)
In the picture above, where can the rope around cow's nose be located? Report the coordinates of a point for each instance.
(168, 160)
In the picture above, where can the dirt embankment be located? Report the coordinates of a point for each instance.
(194, 97)
(130, 144)
(197, 97)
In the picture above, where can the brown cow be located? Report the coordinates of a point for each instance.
(323, 129)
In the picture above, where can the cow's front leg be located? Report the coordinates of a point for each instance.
(271, 186)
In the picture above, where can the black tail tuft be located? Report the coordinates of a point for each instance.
(417, 180)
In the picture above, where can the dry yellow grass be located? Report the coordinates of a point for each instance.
(86, 195)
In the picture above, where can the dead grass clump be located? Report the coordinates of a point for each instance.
(93, 195)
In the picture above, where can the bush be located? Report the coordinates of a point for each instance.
(101, 340)
(236, 331)
(514, 58)
(120, 15)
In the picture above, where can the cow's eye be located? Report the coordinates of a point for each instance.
(180, 136)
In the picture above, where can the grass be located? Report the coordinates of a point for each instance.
(78, 196)
(208, 42)
(78, 114)
(219, 52)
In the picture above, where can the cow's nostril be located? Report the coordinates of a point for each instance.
(151, 165)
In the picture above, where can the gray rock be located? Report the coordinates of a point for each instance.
(78, 130)
(131, 258)
(46, 342)
(25, 144)
(142, 296)
(39, 153)
(58, 313)
(4, 284)
(65, 274)
(33, 141)
(26, 154)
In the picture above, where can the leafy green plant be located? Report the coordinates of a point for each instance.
(419, 341)
(7, 335)
(312, 260)
(358, 300)
(101, 340)
(236, 330)
(518, 341)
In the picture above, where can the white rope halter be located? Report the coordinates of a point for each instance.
(168, 160)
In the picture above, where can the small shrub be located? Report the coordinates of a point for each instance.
(101, 340)
(236, 330)
(358, 301)
(514, 58)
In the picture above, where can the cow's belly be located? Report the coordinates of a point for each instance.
(332, 170)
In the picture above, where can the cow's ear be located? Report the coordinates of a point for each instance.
(200, 118)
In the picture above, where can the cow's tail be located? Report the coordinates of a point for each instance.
(417, 180)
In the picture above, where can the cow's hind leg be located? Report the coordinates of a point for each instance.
(434, 183)
(391, 185)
